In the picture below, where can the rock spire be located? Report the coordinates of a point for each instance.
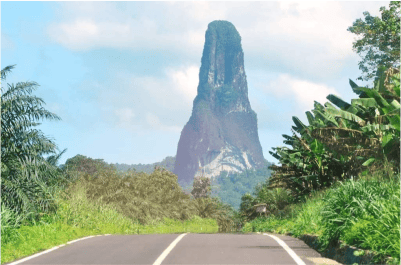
(222, 132)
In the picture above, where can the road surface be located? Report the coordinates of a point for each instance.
(157, 249)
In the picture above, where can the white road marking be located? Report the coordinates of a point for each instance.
(47, 251)
(79, 239)
(167, 251)
(34, 256)
(293, 255)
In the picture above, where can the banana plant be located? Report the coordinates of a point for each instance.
(306, 165)
(341, 138)
(369, 127)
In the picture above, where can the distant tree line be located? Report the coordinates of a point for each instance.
(167, 163)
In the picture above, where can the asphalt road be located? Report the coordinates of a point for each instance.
(182, 249)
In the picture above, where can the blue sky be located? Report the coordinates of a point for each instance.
(122, 75)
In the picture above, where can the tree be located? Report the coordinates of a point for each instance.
(86, 164)
(201, 187)
(28, 179)
(380, 42)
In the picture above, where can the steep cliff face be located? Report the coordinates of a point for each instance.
(222, 133)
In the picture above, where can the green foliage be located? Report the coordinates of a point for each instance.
(10, 221)
(86, 165)
(364, 213)
(201, 187)
(276, 199)
(147, 197)
(139, 195)
(380, 40)
(29, 180)
(231, 187)
(341, 142)
(167, 163)
(77, 217)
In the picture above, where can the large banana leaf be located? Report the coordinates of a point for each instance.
(356, 90)
(288, 137)
(318, 106)
(310, 117)
(338, 102)
(395, 104)
(389, 143)
(381, 77)
(299, 124)
(347, 115)
(396, 87)
(289, 140)
(275, 155)
(395, 122)
(326, 117)
(376, 95)
(329, 105)
(364, 102)
(317, 147)
(376, 127)
(386, 139)
(354, 109)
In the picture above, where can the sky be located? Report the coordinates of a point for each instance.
(122, 76)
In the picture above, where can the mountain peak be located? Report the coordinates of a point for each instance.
(221, 133)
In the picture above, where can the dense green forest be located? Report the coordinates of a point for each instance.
(167, 163)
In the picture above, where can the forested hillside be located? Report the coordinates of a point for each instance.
(230, 187)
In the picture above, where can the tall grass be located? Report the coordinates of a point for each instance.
(366, 214)
(363, 212)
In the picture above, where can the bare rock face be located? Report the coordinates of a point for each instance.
(222, 133)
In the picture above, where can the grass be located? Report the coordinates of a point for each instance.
(364, 213)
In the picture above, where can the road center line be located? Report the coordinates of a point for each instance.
(293, 255)
(168, 250)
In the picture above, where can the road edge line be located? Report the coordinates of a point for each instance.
(47, 251)
(168, 250)
(291, 252)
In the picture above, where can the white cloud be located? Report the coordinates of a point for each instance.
(302, 91)
(145, 102)
(185, 82)
(125, 115)
(154, 122)
(305, 37)
(6, 42)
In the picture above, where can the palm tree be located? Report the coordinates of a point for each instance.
(28, 179)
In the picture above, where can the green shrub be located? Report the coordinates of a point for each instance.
(365, 213)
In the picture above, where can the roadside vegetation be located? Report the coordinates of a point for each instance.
(339, 179)
(78, 216)
(363, 213)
